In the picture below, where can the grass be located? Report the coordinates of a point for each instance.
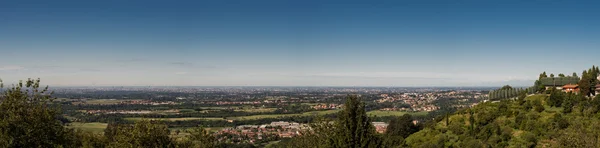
(172, 119)
(380, 113)
(252, 117)
(92, 127)
(186, 110)
(311, 113)
(256, 110)
(103, 101)
(184, 129)
(541, 97)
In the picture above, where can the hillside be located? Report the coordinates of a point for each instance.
(528, 122)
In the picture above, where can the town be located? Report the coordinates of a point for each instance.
(252, 115)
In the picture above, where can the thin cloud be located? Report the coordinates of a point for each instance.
(191, 65)
(6, 68)
(181, 73)
(132, 60)
(464, 77)
(89, 70)
(181, 63)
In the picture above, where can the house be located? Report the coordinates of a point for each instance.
(380, 127)
(571, 88)
(558, 82)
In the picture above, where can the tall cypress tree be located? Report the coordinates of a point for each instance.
(353, 128)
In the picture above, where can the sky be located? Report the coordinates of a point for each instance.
(404, 43)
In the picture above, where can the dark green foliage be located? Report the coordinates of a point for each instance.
(583, 133)
(28, 118)
(521, 98)
(543, 75)
(200, 138)
(588, 81)
(558, 122)
(398, 129)
(506, 87)
(401, 126)
(556, 98)
(537, 105)
(520, 118)
(89, 139)
(141, 134)
(558, 81)
(538, 86)
(527, 105)
(505, 92)
(353, 128)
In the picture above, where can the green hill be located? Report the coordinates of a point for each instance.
(520, 123)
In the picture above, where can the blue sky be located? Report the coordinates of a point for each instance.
(296, 43)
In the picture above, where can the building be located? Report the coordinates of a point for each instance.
(571, 88)
(380, 127)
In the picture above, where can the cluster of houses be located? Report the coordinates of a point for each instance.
(380, 127)
(566, 84)
(274, 130)
(327, 106)
(252, 133)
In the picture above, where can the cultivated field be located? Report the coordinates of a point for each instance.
(92, 127)
(312, 113)
(172, 119)
(380, 113)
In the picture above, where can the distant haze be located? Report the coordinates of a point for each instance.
(296, 43)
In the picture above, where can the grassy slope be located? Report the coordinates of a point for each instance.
(440, 129)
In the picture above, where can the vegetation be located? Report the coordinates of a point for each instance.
(380, 113)
(506, 92)
(351, 129)
(29, 117)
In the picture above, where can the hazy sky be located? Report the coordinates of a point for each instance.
(296, 43)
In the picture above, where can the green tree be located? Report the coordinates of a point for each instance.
(539, 88)
(353, 128)
(568, 103)
(506, 87)
(543, 75)
(556, 98)
(588, 81)
(401, 126)
(200, 138)
(561, 75)
(141, 134)
(537, 105)
(521, 98)
(28, 118)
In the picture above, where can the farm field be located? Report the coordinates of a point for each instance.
(95, 127)
(253, 117)
(311, 113)
(256, 110)
(172, 119)
(380, 113)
